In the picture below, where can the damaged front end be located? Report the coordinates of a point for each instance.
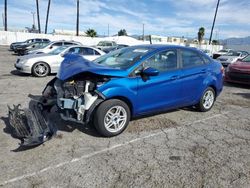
(75, 99)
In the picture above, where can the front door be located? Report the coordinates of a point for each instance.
(164, 90)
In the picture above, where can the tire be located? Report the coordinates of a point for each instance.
(207, 100)
(40, 69)
(108, 121)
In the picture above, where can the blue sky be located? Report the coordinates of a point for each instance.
(161, 17)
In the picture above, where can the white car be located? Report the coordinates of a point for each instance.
(222, 52)
(53, 45)
(231, 57)
(43, 64)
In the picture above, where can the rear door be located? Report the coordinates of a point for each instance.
(194, 73)
(164, 90)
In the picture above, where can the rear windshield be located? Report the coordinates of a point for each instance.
(246, 59)
(58, 50)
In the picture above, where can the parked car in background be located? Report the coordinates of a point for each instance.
(53, 45)
(14, 44)
(43, 64)
(208, 52)
(239, 72)
(102, 45)
(24, 49)
(221, 52)
(110, 49)
(231, 57)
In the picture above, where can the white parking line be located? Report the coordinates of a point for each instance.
(99, 152)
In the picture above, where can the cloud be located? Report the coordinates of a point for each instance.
(163, 17)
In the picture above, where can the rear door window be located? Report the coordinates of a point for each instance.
(69, 43)
(75, 50)
(88, 51)
(190, 59)
(57, 44)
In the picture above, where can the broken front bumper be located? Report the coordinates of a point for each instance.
(31, 125)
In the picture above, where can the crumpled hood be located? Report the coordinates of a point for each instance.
(75, 64)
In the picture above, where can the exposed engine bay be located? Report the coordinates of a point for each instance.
(75, 99)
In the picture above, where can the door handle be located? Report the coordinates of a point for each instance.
(203, 70)
(174, 77)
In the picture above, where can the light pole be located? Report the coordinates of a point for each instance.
(143, 31)
(216, 10)
(108, 30)
(77, 19)
(47, 17)
(5, 15)
(38, 16)
(33, 26)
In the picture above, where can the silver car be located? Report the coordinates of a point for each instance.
(231, 57)
(41, 65)
(53, 45)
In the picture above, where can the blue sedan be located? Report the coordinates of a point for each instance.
(131, 82)
(115, 88)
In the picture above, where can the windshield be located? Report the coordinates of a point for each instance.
(246, 59)
(233, 53)
(58, 50)
(223, 50)
(122, 58)
(104, 43)
(47, 44)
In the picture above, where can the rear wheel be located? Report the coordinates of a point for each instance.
(40, 69)
(207, 100)
(112, 117)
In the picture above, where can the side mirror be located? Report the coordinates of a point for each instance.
(62, 54)
(149, 71)
(50, 47)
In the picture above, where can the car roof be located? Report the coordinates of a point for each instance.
(85, 47)
(163, 46)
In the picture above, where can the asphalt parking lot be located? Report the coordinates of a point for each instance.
(181, 148)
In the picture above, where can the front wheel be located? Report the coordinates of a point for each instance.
(207, 100)
(112, 117)
(40, 69)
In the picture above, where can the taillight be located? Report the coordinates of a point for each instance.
(222, 70)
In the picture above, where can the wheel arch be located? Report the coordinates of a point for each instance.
(127, 101)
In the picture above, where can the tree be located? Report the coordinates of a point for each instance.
(91, 33)
(201, 34)
(122, 32)
(215, 42)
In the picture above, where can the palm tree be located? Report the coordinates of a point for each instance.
(91, 33)
(122, 32)
(201, 34)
